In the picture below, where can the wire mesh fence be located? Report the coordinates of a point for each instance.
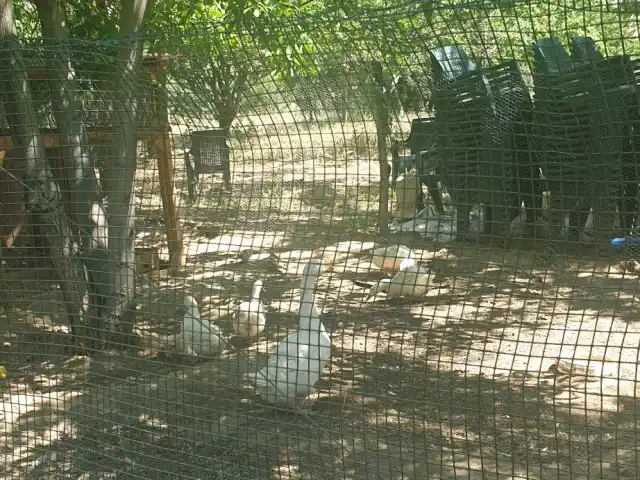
(382, 243)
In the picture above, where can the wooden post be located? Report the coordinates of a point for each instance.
(169, 203)
(165, 171)
(382, 127)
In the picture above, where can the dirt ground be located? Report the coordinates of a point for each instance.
(521, 366)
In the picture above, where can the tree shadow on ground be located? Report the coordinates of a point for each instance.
(379, 415)
(413, 391)
(416, 389)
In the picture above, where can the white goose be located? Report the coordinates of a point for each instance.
(413, 281)
(300, 358)
(249, 319)
(202, 338)
(393, 258)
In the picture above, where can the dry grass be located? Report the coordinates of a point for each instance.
(465, 383)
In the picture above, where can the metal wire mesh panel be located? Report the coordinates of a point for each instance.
(306, 240)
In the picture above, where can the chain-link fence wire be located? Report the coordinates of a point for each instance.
(474, 338)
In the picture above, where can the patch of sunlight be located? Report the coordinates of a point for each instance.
(23, 453)
(585, 274)
(294, 262)
(15, 407)
(247, 239)
(490, 268)
(364, 344)
(285, 471)
(70, 369)
(43, 318)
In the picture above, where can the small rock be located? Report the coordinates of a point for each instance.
(244, 255)
(321, 194)
(209, 231)
(572, 369)
(632, 266)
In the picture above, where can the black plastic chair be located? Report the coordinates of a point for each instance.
(421, 142)
(585, 50)
(209, 153)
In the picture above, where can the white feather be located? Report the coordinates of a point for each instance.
(300, 358)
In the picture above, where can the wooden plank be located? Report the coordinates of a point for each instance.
(50, 141)
(169, 201)
(177, 255)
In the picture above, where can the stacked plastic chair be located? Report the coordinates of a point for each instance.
(477, 118)
(584, 50)
(582, 125)
(512, 128)
(631, 171)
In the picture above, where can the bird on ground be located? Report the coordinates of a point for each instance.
(299, 359)
(393, 258)
(414, 281)
(249, 319)
(198, 336)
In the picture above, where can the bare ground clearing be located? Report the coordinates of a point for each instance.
(511, 371)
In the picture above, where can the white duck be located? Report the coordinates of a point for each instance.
(300, 358)
(249, 319)
(413, 281)
(393, 258)
(202, 338)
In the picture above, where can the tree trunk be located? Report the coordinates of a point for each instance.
(225, 121)
(85, 206)
(228, 87)
(120, 167)
(43, 194)
(382, 127)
